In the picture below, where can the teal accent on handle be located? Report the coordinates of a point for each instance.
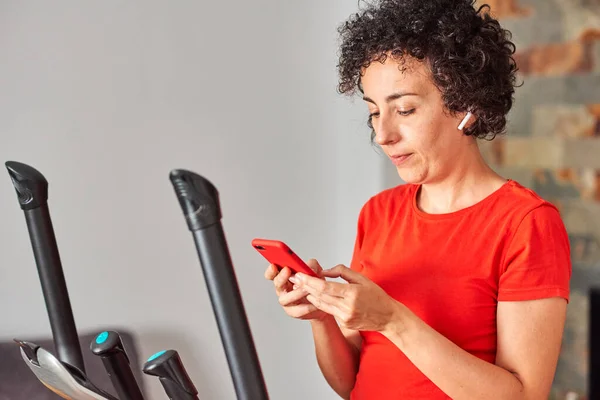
(101, 338)
(155, 356)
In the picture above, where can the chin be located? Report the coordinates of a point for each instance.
(412, 177)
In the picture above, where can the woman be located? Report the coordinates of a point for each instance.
(459, 280)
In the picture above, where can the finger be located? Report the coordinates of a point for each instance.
(300, 310)
(317, 285)
(290, 298)
(341, 271)
(338, 302)
(315, 266)
(281, 281)
(271, 272)
(282, 277)
(324, 306)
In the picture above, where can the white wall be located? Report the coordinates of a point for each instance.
(106, 97)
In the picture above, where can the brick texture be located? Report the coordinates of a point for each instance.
(578, 56)
(553, 144)
(570, 121)
(507, 8)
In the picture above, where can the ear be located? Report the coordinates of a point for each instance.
(464, 121)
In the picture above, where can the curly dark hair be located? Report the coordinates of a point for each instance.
(469, 54)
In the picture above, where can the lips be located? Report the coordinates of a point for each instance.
(400, 155)
(398, 159)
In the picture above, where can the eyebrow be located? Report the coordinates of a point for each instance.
(391, 97)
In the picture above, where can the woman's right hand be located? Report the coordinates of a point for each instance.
(292, 299)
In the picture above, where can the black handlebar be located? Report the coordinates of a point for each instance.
(199, 200)
(109, 347)
(32, 192)
(168, 367)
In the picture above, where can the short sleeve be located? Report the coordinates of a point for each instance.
(537, 263)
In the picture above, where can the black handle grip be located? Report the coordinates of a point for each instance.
(168, 367)
(109, 347)
(199, 201)
(32, 191)
(30, 184)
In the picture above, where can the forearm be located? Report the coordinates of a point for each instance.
(337, 357)
(456, 372)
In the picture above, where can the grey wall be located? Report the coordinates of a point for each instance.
(106, 97)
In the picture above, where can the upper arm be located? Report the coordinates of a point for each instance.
(529, 340)
(533, 294)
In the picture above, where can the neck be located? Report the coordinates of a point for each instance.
(468, 181)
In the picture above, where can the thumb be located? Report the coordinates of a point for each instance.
(315, 266)
(341, 271)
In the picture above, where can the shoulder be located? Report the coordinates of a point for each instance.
(536, 258)
(523, 195)
(526, 218)
(520, 204)
(535, 227)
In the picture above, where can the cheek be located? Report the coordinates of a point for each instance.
(432, 137)
(426, 142)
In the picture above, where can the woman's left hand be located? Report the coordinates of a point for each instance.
(359, 304)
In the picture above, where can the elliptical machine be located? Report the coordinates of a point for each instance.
(65, 373)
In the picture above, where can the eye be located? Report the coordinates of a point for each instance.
(407, 112)
(373, 115)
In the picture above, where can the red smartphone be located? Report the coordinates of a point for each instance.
(278, 253)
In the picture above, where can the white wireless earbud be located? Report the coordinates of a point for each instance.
(464, 121)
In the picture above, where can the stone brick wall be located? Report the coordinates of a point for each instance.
(553, 144)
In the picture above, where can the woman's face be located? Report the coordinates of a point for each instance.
(410, 121)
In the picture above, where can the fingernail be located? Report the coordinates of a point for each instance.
(300, 276)
(292, 279)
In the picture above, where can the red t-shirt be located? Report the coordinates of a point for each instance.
(451, 270)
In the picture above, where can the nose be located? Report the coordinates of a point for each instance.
(387, 132)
